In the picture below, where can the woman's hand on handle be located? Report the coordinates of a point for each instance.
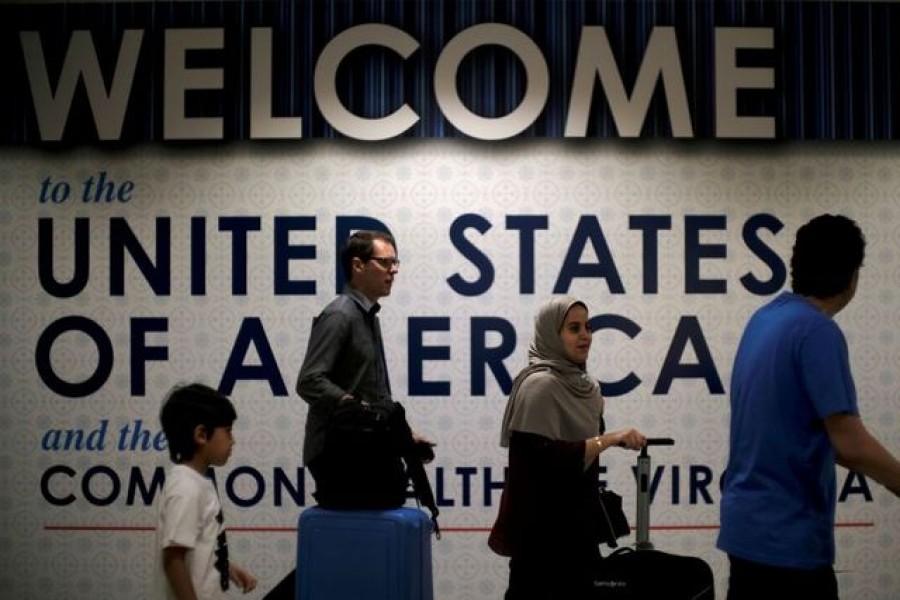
(629, 438)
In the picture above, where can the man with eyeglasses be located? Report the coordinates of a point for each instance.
(345, 360)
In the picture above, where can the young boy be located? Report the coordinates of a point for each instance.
(193, 552)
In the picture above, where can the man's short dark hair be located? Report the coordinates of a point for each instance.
(360, 245)
(184, 409)
(827, 252)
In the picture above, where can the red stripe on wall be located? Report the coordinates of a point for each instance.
(132, 528)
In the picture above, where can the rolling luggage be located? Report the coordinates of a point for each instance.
(364, 555)
(644, 573)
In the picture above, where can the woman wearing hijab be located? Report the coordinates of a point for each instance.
(554, 431)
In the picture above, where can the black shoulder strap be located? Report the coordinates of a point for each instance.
(414, 466)
(423, 487)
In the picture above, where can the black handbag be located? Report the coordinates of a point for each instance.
(612, 520)
(365, 459)
(372, 457)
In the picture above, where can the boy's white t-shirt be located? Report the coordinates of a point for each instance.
(188, 508)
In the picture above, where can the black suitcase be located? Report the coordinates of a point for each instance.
(643, 573)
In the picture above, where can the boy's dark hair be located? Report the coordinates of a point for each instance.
(359, 245)
(184, 409)
(827, 251)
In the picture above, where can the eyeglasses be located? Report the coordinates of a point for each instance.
(221, 563)
(386, 262)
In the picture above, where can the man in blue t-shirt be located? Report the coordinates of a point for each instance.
(794, 415)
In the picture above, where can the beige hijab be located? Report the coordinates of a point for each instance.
(553, 396)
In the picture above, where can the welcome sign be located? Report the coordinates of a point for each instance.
(178, 177)
(147, 71)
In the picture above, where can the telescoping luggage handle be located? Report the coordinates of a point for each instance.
(642, 538)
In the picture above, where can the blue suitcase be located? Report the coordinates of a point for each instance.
(364, 554)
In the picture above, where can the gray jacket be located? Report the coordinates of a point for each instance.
(344, 356)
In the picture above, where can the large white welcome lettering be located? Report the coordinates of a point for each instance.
(594, 61)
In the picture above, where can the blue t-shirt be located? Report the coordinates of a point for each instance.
(791, 371)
